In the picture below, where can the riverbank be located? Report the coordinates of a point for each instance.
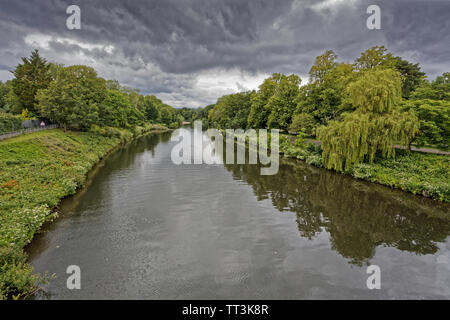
(423, 174)
(36, 172)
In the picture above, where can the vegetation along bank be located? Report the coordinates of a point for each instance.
(360, 112)
(38, 170)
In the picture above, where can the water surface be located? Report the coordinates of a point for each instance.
(144, 228)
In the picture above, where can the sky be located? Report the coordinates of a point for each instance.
(190, 52)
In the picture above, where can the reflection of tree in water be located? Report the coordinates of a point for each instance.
(128, 155)
(358, 216)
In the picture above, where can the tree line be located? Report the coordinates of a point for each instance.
(77, 98)
(357, 110)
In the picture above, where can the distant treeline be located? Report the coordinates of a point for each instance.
(191, 115)
(77, 98)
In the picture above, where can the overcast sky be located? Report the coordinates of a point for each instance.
(190, 52)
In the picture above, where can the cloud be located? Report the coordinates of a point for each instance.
(190, 52)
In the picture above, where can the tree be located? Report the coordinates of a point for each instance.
(303, 122)
(323, 97)
(4, 91)
(151, 108)
(113, 85)
(259, 113)
(231, 111)
(29, 77)
(202, 114)
(434, 117)
(411, 75)
(376, 125)
(188, 114)
(113, 111)
(322, 67)
(439, 89)
(169, 116)
(375, 57)
(284, 102)
(74, 98)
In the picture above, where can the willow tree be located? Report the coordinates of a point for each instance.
(376, 125)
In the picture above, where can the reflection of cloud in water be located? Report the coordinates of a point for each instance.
(203, 148)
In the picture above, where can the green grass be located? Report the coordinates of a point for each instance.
(37, 171)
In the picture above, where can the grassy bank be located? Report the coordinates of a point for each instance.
(36, 172)
(422, 174)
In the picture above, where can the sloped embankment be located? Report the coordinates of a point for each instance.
(36, 172)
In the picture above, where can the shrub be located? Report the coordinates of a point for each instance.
(303, 122)
(9, 122)
(315, 160)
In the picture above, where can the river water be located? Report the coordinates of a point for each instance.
(144, 227)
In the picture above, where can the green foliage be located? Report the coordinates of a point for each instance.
(16, 276)
(77, 98)
(375, 126)
(303, 122)
(376, 91)
(411, 75)
(323, 66)
(73, 98)
(259, 113)
(231, 111)
(189, 115)
(151, 108)
(118, 111)
(111, 132)
(36, 171)
(324, 97)
(169, 116)
(434, 117)
(300, 150)
(9, 122)
(422, 174)
(114, 109)
(29, 77)
(57, 163)
(202, 113)
(439, 89)
(284, 102)
(414, 172)
(4, 91)
(375, 57)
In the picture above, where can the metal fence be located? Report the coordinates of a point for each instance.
(24, 131)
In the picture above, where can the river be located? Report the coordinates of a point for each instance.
(146, 228)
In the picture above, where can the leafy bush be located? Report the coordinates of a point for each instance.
(434, 119)
(112, 132)
(304, 122)
(9, 122)
(418, 173)
(315, 160)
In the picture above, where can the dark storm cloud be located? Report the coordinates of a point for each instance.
(165, 46)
